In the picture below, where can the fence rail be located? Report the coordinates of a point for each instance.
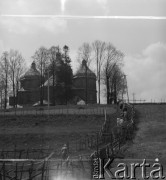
(64, 110)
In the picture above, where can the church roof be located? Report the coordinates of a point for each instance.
(81, 72)
(32, 72)
(50, 81)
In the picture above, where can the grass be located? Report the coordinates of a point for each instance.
(36, 131)
(150, 139)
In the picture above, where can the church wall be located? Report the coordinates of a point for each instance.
(80, 89)
(58, 93)
(28, 97)
(29, 84)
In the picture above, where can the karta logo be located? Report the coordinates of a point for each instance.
(102, 168)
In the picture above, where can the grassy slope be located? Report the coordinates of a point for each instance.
(150, 139)
(32, 131)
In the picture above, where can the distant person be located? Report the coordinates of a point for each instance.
(64, 152)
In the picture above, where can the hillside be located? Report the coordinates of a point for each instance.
(150, 140)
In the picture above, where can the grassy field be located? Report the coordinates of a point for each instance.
(31, 131)
(150, 140)
(36, 131)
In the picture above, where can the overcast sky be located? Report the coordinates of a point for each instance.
(142, 40)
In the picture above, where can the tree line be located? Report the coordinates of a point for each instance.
(108, 63)
(52, 62)
(105, 58)
(55, 63)
(12, 65)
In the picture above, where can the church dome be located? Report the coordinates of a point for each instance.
(83, 70)
(31, 79)
(32, 72)
(84, 84)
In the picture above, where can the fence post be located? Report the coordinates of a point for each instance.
(16, 172)
(43, 169)
(0, 174)
(82, 165)
(111, 144)
(97, 144)
(21, 171)
(4, 174)
(119, 139)
(47, 170)
(31, 171)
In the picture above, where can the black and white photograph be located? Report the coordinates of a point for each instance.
(82, 89)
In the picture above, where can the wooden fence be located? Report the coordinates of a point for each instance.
(59, 110)
(112, 142)
(35, 164)
(24, 164)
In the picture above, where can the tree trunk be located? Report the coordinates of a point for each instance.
(41, 91)
(6, 83)
(1, 99)
(86, 90)
(53, 83)
(66, 94)
(14, 91)
(115, 93)
(97, 65)
(17, 84)
(108, 93)
(99, 87)
(99, 82)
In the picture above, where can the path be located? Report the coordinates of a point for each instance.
(150, 140)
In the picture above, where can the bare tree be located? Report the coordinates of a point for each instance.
(111, 70)
(20, 69)
(108, 66)
(116, 82)
(53, 66)
(66, 61)
(85, 53)
(99, 51)
(16, 66)
(121, 86)
(41, 59)
(2, 88)
(4, 66)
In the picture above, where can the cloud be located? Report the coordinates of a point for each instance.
(74, 62)
(31, 7)
(146, 73)
(23, 25)
(104, 5)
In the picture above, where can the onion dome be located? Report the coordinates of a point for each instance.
(31, 73)
(84, 71)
